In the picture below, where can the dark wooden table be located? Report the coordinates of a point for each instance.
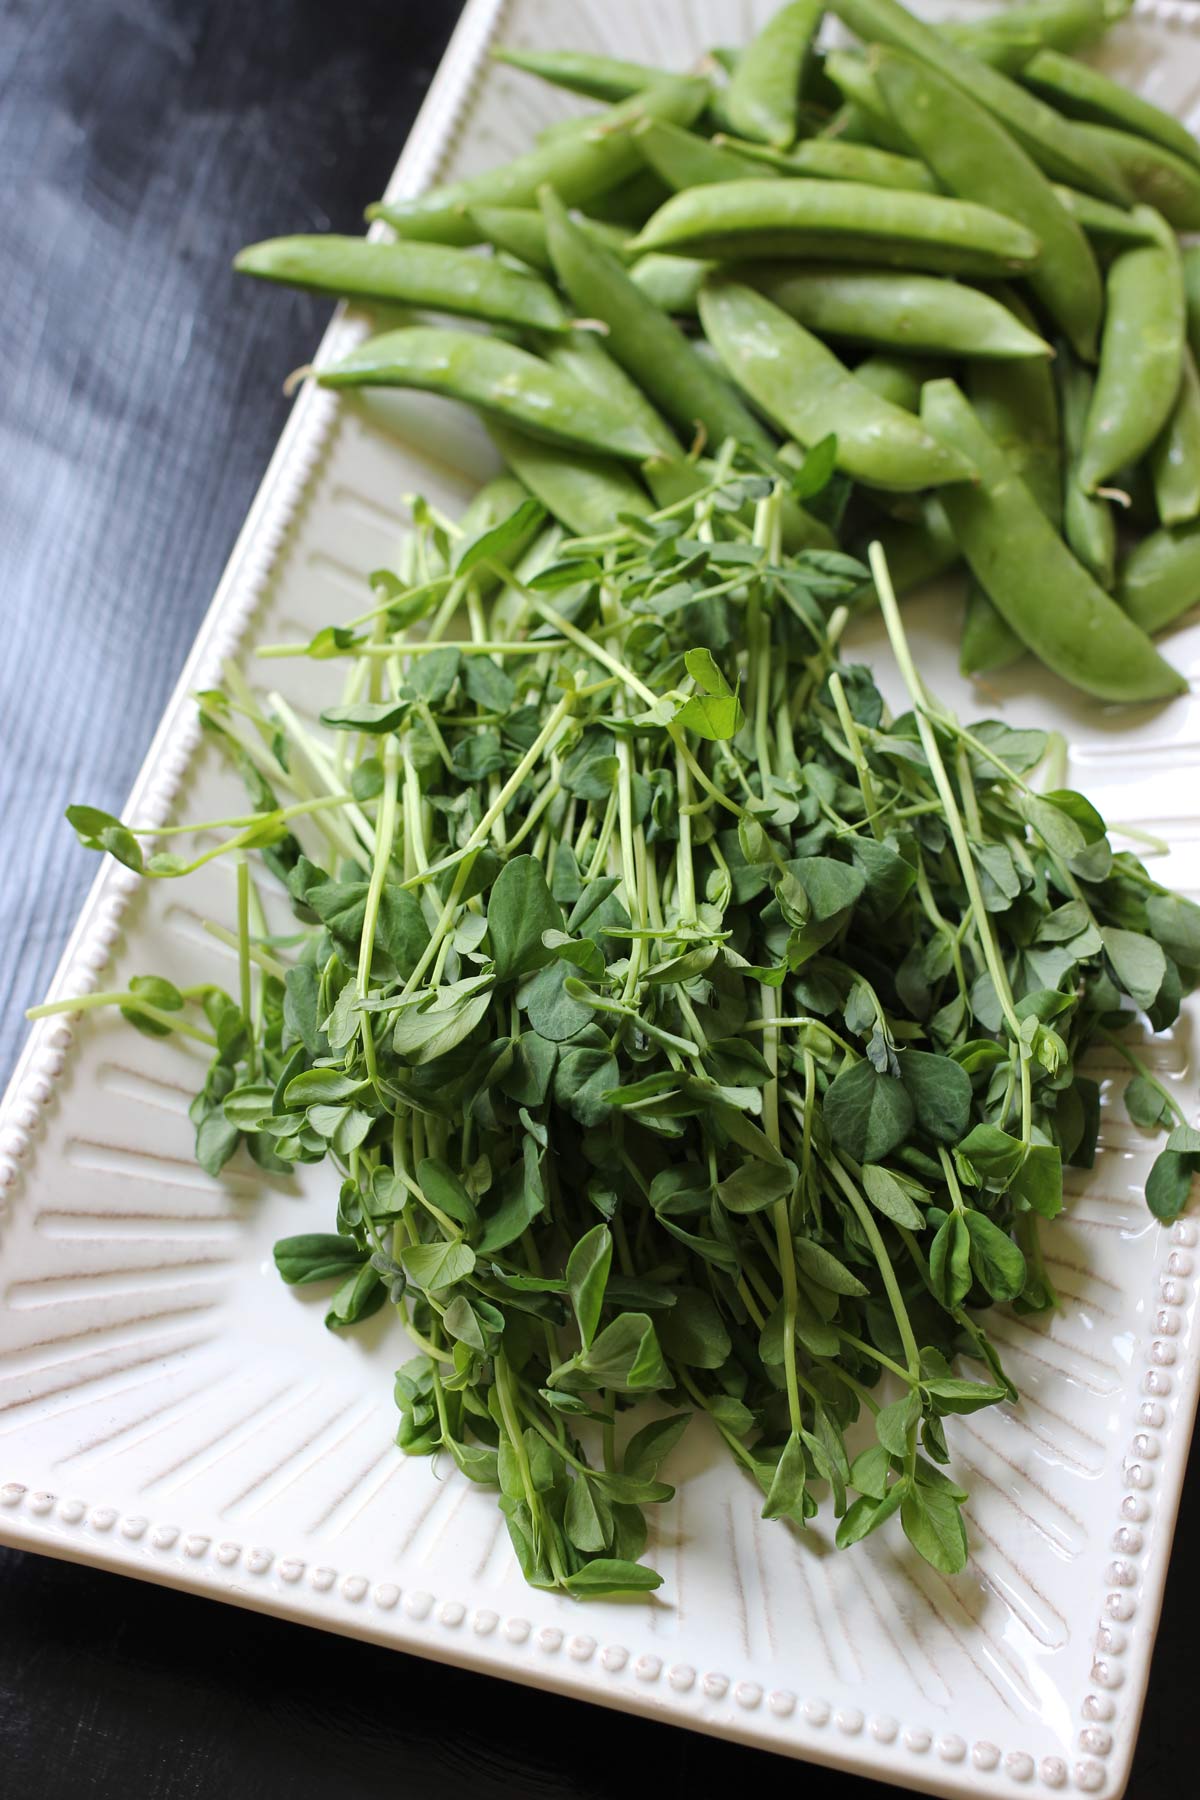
(141, 142)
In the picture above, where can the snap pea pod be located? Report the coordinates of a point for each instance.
(832, 160)
(683, 159)
(846, 220)
(1063, 24)
(629, 204)
(1050, 139)
(1141, 357)
(1030, 576)
(762, 100)
(583, 356)
(1087, 519)
(974, 156)
(893, 310)
(1160, 578)
(1155, 176)
(585, 164)
(584, 492)
(644, 341)
(800, 384)
(987, 643)
(499, 379)
(521, 232)
(849, 72)
(1018, 408)
(1191, 294)
(1175, 458)
(999, 50)
(1111, 227)
(672, 282)
(582, 71)
(896, 378)
(1084, 93)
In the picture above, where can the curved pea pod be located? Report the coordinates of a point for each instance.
(893, 310)
(520, 231)
(1155, 176)
(829, 159)
(842, 220)
(582, 355)
(1087, 519)
(1018, 408)
(582, 164)
(1030, 576)
(869, 117)
(1190, 258)
(974, 156)
(584, 492)
(762, 100)
(1050, 140)
(1175, 457)
(897, 378)
(582, 71)
(681, 159)
(1084, 93)
(644, 341)
(672, 282)
(802, 386)
(1110, 227)
(987, 643)
(1141, 359)
(1160, 578)
(499, 379)
(1064, 24)
(415, 274)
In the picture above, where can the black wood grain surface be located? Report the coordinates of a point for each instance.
(141, 141)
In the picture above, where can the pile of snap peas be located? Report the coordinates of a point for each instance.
(951, 254)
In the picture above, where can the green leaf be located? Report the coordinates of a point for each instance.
(587, 1517)
(583, 1080)
(1137, 962)
(360, 1295)
(756, 1185)
(375, 717)
(889, 1197)
(496, 544)
(933, 1526)
(692, 1332)
(867, 1113)
(520, 908)
(829, 886)
(216, 1141)
(1169, 1184)
(1038, 1182)
(247, 1107)
(893, 1423)
(705, 673)
(787, 1486)
(553, 1014)
(587, 1275)
(625, 1356)
(822, 1266)
(98, 830)
(649, 1448)
(955, 1396)
(432, 676)
(867, 1515)
(1175, 923)
(940, 1091)
(715, 717)
(996, 1262)
(610, 1575)
(950, 1261)
(869, 1471)
(316, 1256)
(321, 1087)
(437, 1266)
(1144, 1103)
(439, 1183)
(991, 1156)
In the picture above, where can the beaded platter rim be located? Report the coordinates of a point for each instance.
(480, 1638)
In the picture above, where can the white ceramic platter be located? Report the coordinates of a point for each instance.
(169, 1409)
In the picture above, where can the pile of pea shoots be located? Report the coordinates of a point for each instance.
(681, 1026)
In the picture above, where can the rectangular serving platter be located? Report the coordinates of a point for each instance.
(169, 1410)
